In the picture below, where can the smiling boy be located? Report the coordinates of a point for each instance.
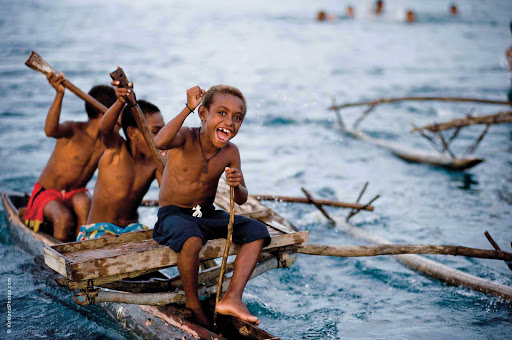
(196, 159)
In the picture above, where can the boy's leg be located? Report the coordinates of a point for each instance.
(61, 218)
(188, 266)
(231, 303)
(81, 202)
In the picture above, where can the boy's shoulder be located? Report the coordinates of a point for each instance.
(231, 149)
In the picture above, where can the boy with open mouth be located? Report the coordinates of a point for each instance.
(196, 159)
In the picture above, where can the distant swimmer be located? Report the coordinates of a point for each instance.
(453, 10)
(350, 12)
(323, 16)
(379, 8)
(410, 17)
(509, 59)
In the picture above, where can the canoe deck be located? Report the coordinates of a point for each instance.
(112, 258)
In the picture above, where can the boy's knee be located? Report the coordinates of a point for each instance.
(81, 201)
(65, 218)
(192, 246)
(57, 213)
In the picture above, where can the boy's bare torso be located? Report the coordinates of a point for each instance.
(74, 159)
(185, 185)
(120, 189)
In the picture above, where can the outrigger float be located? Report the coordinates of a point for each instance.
(433, 133)
(123, 274)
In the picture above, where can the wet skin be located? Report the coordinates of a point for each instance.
(71, 164)
(125, 170)
(185, 185)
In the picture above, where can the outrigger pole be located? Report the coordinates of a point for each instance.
(403, 253)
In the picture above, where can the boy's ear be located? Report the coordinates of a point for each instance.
(201, 111)
(132, 132)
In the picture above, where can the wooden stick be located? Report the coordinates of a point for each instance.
(318, 206)
(37, 63)
(139, 119)
(497, 118)
(312, 201)
(153, 299)
(495, 245)
(226, 249)
(397, 249)
(353, 213)
(401, 99)
(477, 141)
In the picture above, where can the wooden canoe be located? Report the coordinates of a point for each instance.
(420, 156)
(149, 322)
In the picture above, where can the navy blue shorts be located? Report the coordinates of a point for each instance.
(176, 225)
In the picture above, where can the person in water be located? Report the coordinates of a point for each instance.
(410, 16)
(125, 170)
(509, 59)
(59, 195)
(379, 7)
(453, 10)
(197, 158)
(350, 12)
(324, 16)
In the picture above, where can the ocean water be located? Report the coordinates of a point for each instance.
(289, 67)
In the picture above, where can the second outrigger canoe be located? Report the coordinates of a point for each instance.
(420, 156)
(158, 322)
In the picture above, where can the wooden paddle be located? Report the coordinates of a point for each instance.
(118, 75)
(37, 63)
(226, 249)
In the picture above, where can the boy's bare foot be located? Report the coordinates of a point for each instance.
(234, 307)
(200, 317)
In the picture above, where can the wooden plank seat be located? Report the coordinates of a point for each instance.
(128, 255)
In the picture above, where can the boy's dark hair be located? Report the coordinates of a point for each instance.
(216, 89)
(102, 93)
(127, 119)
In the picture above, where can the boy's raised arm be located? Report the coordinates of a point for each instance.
(170, 137)
(108, 123)
(52, 127)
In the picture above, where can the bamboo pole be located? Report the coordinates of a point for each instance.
(314, 200)
(226, 248)
(434, 269)
(401, 99)
(119, 75)
(497, 118)
(397, 249)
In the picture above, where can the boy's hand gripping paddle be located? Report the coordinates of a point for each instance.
(226, 249)
(37, 63)
(118, 75)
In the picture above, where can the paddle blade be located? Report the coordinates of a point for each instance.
(37, 63)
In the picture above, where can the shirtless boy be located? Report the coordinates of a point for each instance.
(59, 195)
(196, 159)
(125, 170)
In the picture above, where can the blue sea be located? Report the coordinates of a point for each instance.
(290, 68)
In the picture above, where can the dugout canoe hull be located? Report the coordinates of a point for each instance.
(420, 156)
(147, 322)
